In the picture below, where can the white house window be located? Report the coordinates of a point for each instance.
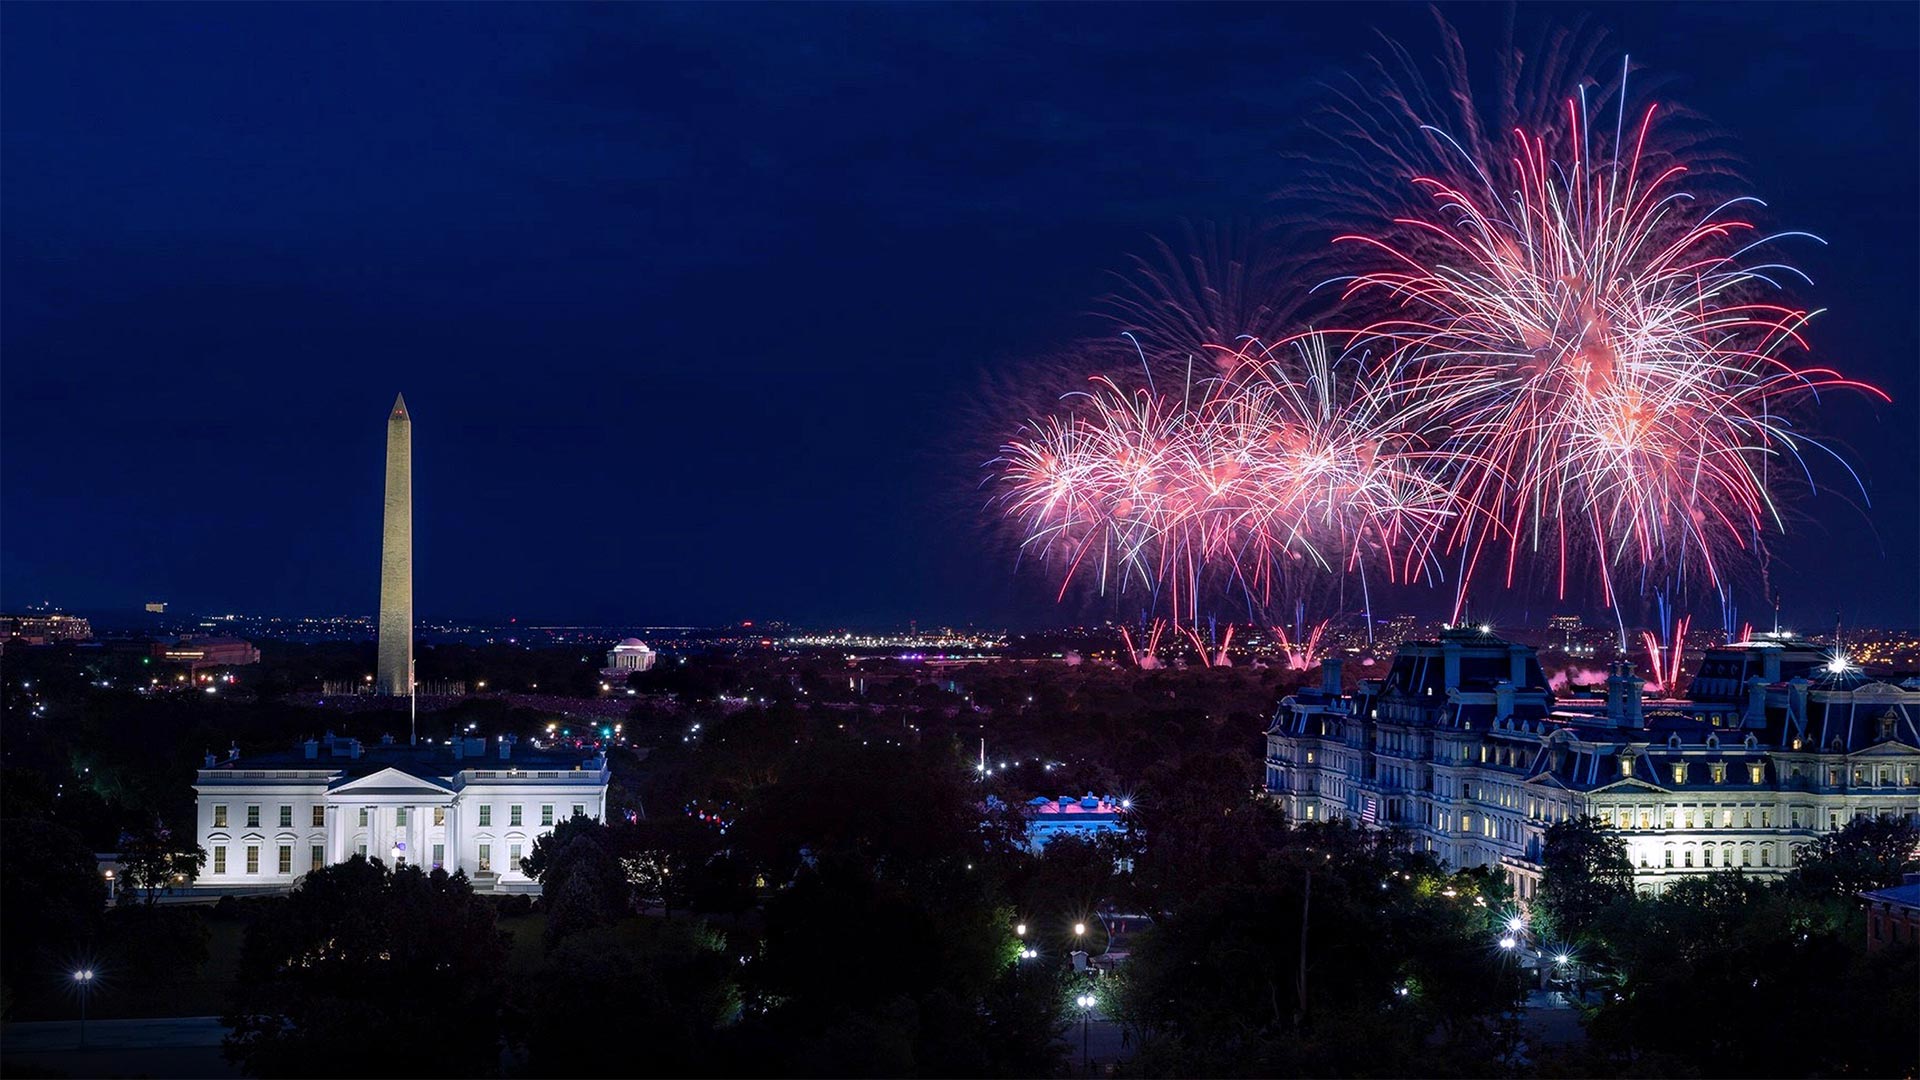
(1669, 863)
(320, 817)
(253, 858)
(513, 857)
(1687, 857)
(220, 857)
(1746, 856)
(486, 815)
(253, 816)
(439, 815)
(286, 817)
(400, 817)
(1766, 856)
(1680, 774)
(1718, 772)
(439, 856)
(486, 858)
(513, 814)
(219, 815)
(363, 817)
(579, 810)
(546, 814)
(316, 857)
(286, 858)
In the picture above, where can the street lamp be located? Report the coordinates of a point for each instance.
(84, 980)
(1079, 929)
(1020, 929)
(1085, 1001)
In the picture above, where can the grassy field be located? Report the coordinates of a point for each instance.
(117, 996)
(202, 993)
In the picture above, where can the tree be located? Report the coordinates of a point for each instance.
(368, 971)
(1865, 853)
(152, 859)
(672, 985)
(1584, 868)
(51, 896)
(581, 879)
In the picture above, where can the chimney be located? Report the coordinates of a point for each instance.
(210, 759)
(353, 748)
(1517, 665)
(1797, 700)
(310, 749)
(1770, 665)
(1330, 676)
(386, 738)
(506, 746)
(1756, 714)
(1624, 689)
(1450, 650)
(1503, 700)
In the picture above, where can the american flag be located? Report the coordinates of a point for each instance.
(1369, 811)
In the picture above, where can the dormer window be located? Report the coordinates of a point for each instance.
(1756, 773)
(1626, 765)
(1679, 772)
(1718, 771)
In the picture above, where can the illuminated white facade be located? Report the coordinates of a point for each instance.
(631, 655)
(267, 820)
(1463, 748)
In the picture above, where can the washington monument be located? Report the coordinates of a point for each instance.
(395, 675)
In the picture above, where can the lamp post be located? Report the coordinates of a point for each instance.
(1085, 1001)
(84, 980)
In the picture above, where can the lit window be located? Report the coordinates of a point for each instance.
(1680, 773)
(317, 857)
(320, 817)
(439, 815)
(220, 859)
(1718, 771)
(253, 858)
(486, 858)
(286, 858)
(219, 816)
(439, 856)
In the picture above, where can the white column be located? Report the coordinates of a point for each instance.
(453, 837)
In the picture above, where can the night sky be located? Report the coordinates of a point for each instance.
(693, 306)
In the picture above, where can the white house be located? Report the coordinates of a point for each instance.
(267, 819)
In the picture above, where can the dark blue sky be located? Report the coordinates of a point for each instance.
(692, 305)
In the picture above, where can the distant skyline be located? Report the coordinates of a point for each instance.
(694, 306)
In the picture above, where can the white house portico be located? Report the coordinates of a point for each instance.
(267, 819)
